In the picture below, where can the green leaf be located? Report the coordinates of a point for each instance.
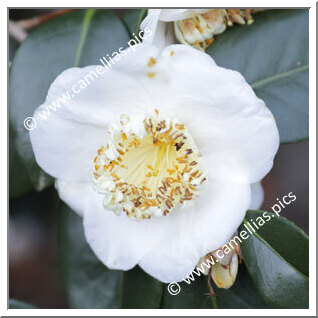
(89, 284)
(140, 290)
(191, 296)
(19, 182)
(13, 45)
(132, 19)
(277, 257)
(17, 304)
(242, 295)
(76, 39)
(272, 54)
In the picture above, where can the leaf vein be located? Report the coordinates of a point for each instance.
(279, 76)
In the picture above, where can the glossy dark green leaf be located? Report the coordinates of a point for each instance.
(19, 182)
(89, 284)
(191, 296)
(277, 257)
(140, 290)
(272, 54)
(76, 39)
(17, 304)
(13, 45)
(242, 295)
(132, 19)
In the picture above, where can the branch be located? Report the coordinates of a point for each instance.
(17, 29)
(28, 24)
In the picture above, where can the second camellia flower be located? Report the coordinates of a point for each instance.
(158, 156)
(194, 27)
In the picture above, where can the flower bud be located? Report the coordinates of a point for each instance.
(222, 265)
(224, 276)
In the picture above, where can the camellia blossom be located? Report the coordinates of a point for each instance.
(158, 156)
(194, 27)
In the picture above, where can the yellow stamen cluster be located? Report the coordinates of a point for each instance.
(148, 166)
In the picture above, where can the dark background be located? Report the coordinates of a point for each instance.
(33, 220)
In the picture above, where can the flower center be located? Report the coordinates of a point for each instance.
(148, 166)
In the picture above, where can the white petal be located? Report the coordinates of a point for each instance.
(257, 196)
(168, 248)
(75, 194)
(136, 66)
(162, 33)
(65, 143)
(150, 22)
(119, 242)
(234, 130)
(191, 234)
(149, 25)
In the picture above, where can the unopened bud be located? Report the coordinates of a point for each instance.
(224, 277)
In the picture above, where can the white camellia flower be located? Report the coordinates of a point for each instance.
(158, 156)
(194, 27)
